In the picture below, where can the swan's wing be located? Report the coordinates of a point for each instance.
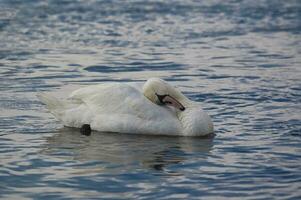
(111, 98)
(88, 91)
(115, 99)
(123, 108)
(85, 92)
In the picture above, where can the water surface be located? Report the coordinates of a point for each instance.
(240, 59)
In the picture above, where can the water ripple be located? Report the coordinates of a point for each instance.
(239, 59)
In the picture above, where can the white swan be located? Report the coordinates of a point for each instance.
(159, 109)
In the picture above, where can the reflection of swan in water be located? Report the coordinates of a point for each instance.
(125, 150)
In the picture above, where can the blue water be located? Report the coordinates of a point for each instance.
(240, 59)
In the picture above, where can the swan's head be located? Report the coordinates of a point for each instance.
(162, 93)
(194, 120)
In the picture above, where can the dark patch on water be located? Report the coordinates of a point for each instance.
(131, 67)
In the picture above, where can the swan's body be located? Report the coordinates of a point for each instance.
(123, 108)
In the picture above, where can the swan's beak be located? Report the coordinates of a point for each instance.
(169, 100)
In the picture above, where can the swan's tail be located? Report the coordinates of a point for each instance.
(53, 104)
